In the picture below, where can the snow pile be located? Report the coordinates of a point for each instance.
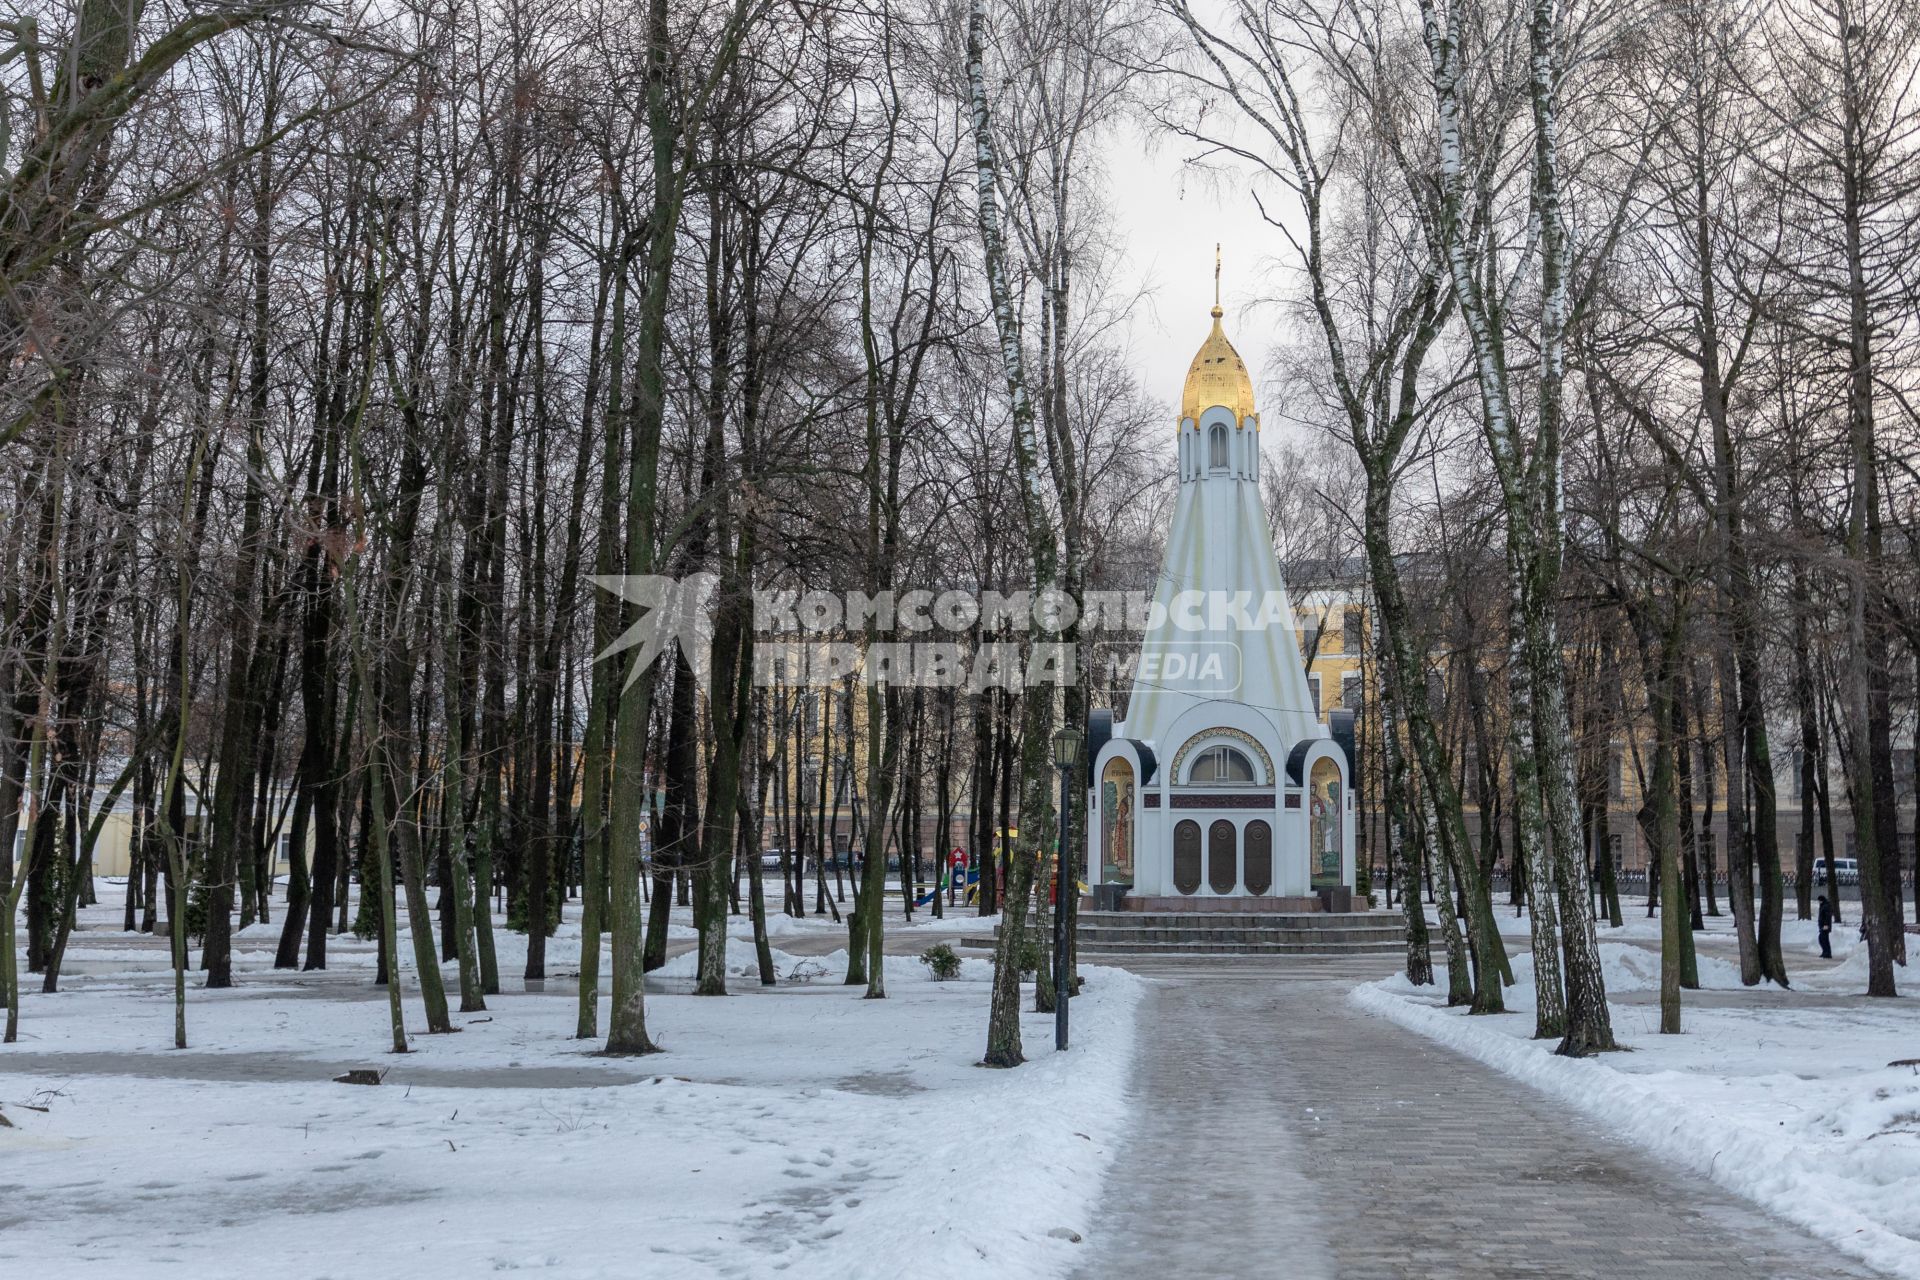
(1849, 976)
(1796, 1108)
(1797, 937)
(743, 962)
(1626, 968)
(1803, 937)
(1630, 968)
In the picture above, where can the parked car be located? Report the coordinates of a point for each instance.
(1846, 869)
(770, 859)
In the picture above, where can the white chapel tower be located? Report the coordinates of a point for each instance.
(1222, 789)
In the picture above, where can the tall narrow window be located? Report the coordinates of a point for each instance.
(1217, 448)
(1259, 841)
(1186, 856)
(1222, 869)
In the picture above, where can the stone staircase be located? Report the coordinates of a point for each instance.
(1291, 933)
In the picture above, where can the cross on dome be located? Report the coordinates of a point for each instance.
(1217, 376)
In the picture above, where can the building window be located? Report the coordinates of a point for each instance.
(1352, 692)
(1616, 773)
(1217, 448)
(1309, 642)
(1616, 849)
(1313, 684)
(1353, 631)
(1221, 764)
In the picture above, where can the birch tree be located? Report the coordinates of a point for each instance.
(1528, 466)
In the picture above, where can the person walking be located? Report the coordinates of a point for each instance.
(1826, 928)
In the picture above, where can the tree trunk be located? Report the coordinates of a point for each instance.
(1405, 854)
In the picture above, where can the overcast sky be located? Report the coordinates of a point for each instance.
(1167, 220)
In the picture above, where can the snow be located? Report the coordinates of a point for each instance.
(1797, 937)
(1786, 1097)
(1625, 968)
(743, 962)
(798, 1130)
(1630, 953)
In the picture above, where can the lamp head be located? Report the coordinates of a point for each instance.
(1066, 748)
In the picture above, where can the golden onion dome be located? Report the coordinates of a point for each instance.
(1217, 376)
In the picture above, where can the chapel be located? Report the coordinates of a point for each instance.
(1222, 789)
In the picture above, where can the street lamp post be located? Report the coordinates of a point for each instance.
(1066, 755)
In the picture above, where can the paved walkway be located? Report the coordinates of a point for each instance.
(1286, 1134)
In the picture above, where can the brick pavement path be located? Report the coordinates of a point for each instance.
(1284, 1134)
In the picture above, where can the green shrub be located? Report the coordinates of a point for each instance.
(941, 959)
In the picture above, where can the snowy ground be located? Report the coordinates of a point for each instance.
(1787, 1097)
(797, 1130)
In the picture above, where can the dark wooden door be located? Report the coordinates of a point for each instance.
(1222, 874)
(1259, 857)
(1186, 856)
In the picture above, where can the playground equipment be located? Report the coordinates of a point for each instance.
(968, 883)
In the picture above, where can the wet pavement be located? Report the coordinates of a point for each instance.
(1284, 1133)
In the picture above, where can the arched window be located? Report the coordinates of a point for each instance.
(1221, 764)
(1217, 447)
